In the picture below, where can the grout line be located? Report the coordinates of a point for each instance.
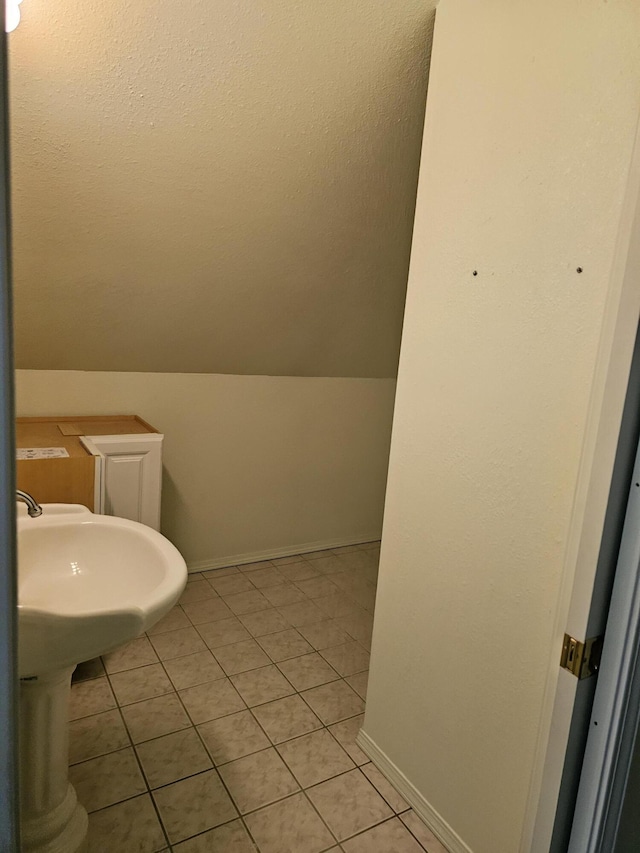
(137, 758)
(409, 830)
(381, 823)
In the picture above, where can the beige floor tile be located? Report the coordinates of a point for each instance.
(359, 683)
(358, 627)
(106, 780)
(349, 581)
(389, 837)
(334, 701)
(315, 757)
(345, 733)
(174, 619)
(365, 641)
(323, 635)
(422, 832)
(198, 591)
(155, 717)
(349, 804)
(221, 573)
(317, 587)
(194, 576)
(288, 560)
(302, 613)
(308, 671)
(190, 670)
(172, 757)
(365, 598)
(286, 718)
(339, 604)
(258, 780)
(88, 669)
(241, 657)
(230, 838)
(145, 682)
(291, 825)
(347, 659)
(261, 685)
(175, 644)
(253, 567)
(264, 622)
(284, 645)
(231, 584)
(359, 560)
(265, 577)
(211, 700)
(90, 697)
(224, 633)
(298, 571)
(233, 736)
(385, 788)
(193, 805)
(283, 594)
(328, 564)
(136, 653)
(210, 610)
(96, 735)
(317, 555)
(129, 827)
(267, 597)
(247, 602)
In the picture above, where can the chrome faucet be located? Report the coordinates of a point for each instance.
(33, 508)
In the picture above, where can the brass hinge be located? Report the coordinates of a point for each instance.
(582, 659)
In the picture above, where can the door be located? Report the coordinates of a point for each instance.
(609, 751)
(9, 825)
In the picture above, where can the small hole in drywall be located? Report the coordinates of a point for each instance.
(578, 269)
(595, 722)
(475, 272)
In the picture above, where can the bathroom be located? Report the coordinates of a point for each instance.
(212, 211)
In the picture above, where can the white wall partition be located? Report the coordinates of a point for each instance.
(516, 346)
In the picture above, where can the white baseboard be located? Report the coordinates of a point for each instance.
(425, 811)
(286, 551)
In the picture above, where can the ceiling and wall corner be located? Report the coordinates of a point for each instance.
(219, 187)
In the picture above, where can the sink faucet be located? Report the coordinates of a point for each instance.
(33, 508)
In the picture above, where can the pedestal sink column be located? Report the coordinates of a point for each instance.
(52, 820)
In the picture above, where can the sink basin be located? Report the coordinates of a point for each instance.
(87, 584)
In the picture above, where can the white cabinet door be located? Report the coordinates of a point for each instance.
(130, 476)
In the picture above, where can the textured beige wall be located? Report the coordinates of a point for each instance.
(215, 187)
(526, 157)
(253, 465)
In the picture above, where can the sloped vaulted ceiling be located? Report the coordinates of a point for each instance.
(218, 187)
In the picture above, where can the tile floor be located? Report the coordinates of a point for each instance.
(230, 727)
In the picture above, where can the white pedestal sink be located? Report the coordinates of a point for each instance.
(86, 584)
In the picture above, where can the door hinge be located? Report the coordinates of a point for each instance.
(581, 659)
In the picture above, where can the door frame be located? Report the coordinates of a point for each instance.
(9, 754)
(601, 603)
(616, 706)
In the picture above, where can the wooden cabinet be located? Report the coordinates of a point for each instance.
(113, 466)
